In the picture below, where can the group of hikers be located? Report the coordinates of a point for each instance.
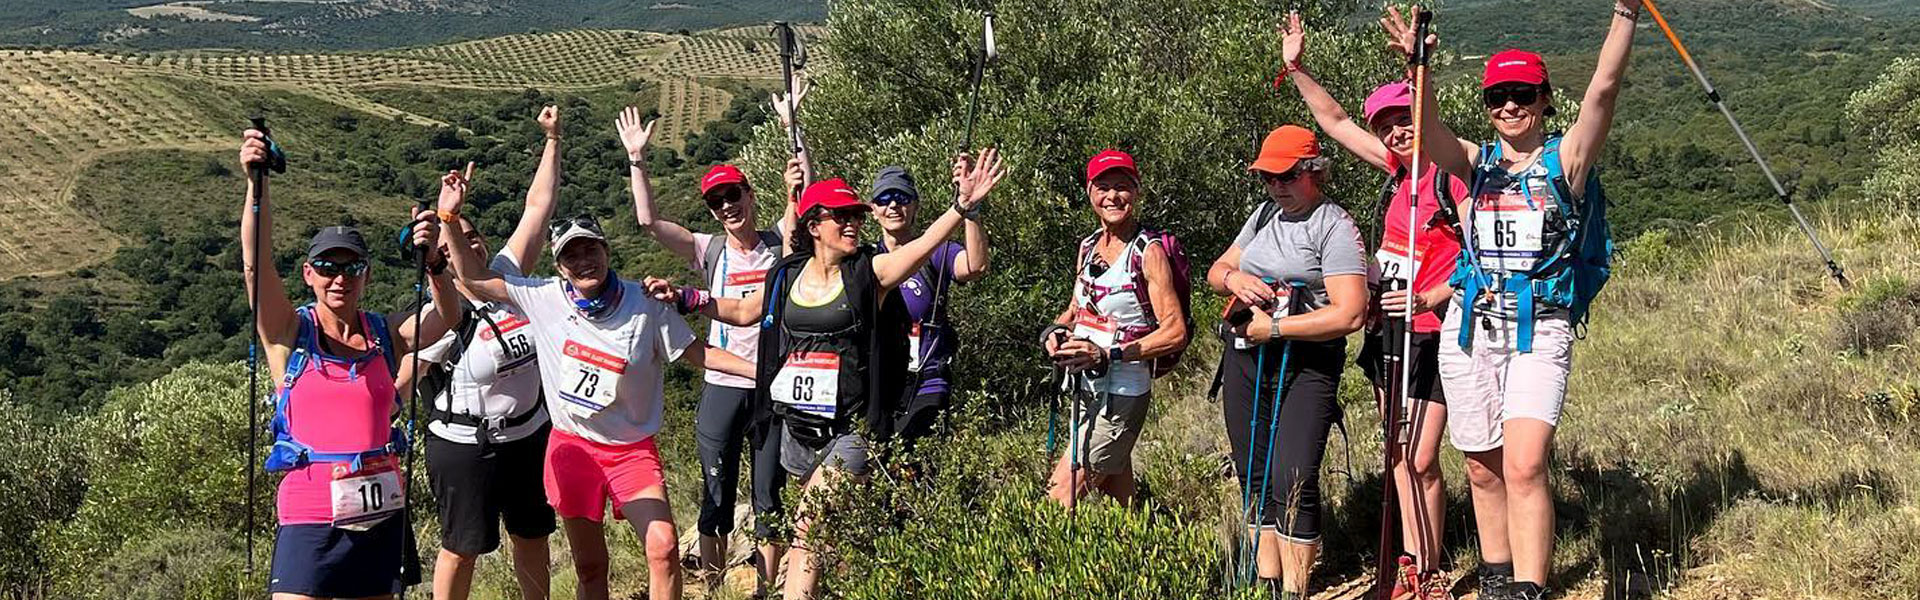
(543, 394)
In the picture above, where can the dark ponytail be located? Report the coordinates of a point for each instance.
(800, 239)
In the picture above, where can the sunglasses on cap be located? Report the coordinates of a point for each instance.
(892, 197)
(723, 196)
(1520, 95)
(561, 226)
(328, 268)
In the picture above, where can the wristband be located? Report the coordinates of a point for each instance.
(439, 267)
(637, 163)
(972, 214)
(553, 137)
(692, 300)
(1629, 14)
(448, 216)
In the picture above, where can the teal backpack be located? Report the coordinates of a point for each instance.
(1572, 271)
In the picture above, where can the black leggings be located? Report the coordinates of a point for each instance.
(1309, 409)
(720, 430)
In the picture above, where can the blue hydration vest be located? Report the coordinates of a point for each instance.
(1572, 270)
(288, 453)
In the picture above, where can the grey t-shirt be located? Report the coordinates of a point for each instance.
(1303, 247)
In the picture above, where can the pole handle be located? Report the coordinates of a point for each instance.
(1422, 27)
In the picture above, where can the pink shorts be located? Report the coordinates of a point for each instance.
(583, 475)
(1491, 383)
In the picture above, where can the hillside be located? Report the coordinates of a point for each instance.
(70, 107)
(331, 25)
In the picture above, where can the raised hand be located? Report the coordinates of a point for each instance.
(979, 178)
(1400, 31)
(426, 231)
(253, 150)
(453, 190)
(795, 175)
(550, 121)
(1293, 39)
(780, 103)
(633, 134)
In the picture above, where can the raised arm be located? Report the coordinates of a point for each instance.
(1437, 141)
(634, 136)
(893, 268)
(799, 170)
(277, 326)
(446, 298)
(1326, 110)
(971, 263)
(1588, 135)
(472, 271)
(530, 235)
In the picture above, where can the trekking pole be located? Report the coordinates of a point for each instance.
(793, 57)
(1713, 96)
(988, 52)
(1399, 397)
(1249, 514)
(257, 173)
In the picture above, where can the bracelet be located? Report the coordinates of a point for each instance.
(692, 300)
(972, 214)
(1274, 332)
(637, 163)
(448, 216)
(553, 138)
(437, 268)
(1629, 14)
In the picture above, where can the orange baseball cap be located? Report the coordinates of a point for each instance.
(1284, 148)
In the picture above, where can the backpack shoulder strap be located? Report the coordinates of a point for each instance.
(1265, 218)
(303, 342)
(773, 241)
(1136, 261)
(711, 260)
(1556, 175)
(383, 340)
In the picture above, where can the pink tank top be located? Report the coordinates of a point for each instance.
(337, 405)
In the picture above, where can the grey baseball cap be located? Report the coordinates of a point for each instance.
(335, 238)
(893, 178)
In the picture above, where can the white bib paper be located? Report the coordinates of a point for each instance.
(809, 382)
(1092, 327)
(1282, 308)
(363, 498)
(1508, 234)
(914, 356)
(590, 378)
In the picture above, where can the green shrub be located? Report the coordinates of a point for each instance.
(42, 471)
(1882, 313)
(190, 563)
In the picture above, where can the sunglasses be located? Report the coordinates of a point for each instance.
(1382, 126)
(561, 226)
(1280, 178)
(892, 197)
(846, 216)
(729, 195)
(330, 269)
(1518, 95)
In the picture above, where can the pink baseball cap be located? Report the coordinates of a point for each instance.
(721, 175)
(1514, 66)
(1110, 159)
(1398, 94)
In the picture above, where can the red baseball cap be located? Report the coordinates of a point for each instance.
(832, 194)
(1111, 159)
(721, 175)
(1514, 66)
(1284, 148)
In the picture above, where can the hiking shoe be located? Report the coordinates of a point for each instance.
(1434, 585)
(1406, 581)
(1526, 590)
(1493, 584)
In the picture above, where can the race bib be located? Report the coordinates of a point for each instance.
(1282, 307)
(743, 283)
(515, 340)
(809, 382)
(1508, 234)
(591, 377)
(1092, 327)
(1394, 262)
(914, 356)
(362, 498)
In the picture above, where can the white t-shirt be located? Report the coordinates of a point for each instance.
(497, 376)
(602, 376)
(735, 276)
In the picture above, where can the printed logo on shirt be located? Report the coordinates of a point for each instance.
(506, 326)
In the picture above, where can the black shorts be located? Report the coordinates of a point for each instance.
(477, 494)
(1426, 364)
(1282, 457)
(324, 561)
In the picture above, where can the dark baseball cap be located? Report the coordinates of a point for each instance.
(893, 178)
(334, 238)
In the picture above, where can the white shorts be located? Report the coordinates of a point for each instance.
(1491, 383)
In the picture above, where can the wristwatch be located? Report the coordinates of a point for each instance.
(1115, 354)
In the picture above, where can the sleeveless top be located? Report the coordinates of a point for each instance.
(337, 404)
(1108, 307)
